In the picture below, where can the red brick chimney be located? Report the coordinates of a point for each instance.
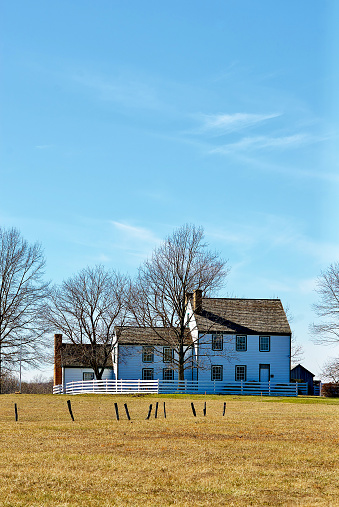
(197, 300)
(57, 359)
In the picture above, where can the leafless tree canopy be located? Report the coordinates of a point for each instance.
(179, 266)
(327, 309)
(22, 298)
(330, 370)
(85, 309)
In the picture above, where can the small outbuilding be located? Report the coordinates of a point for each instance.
(300, 374)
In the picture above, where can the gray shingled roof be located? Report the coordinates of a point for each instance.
(243, 316)
(75, 355)
(147, 336)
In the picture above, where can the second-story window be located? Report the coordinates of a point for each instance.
(217, 342)
(241, 343)
(167, 355)
(147, 354)
(264, 343)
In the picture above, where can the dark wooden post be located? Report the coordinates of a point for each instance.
(126, 410)
(149, 412)
(204, 410)
(224, 411)
(193, 409)
(164, 410)
(156, 410)
(70, 409)
(116, 411)
(16, 411)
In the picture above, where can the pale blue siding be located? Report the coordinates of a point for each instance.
(76, 374)
(278, 358)
(130, 364)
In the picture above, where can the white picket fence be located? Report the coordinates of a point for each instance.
(176, 386)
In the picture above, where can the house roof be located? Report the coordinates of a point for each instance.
(243, 316)
(134, 335)
(78, 355)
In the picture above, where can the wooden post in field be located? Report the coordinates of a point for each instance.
(116, 411)
(70, 409)
(204, 410)
(193, 409)
(156, 410)
(224, 411)
(164, 410)
(126, 410)
(149, 412)
(16, 411)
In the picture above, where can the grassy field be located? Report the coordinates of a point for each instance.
(262, 452)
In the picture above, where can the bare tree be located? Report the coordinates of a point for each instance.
(85, 308)
(297, 350)
(179, 266)
(22, 298)
(327, 331)
(330, 370)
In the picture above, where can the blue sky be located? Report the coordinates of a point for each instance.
(121, 121)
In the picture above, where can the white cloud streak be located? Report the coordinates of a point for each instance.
(218, 124)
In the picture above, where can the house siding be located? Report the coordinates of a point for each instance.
(76, 374)
(278, 358)
(130, 364)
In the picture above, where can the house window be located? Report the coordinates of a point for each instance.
(168, 374)
(88, 375)
(216, 372)
(147, 354)
(264, 343)
(240, 372)
(167, 355)
(241, 343)
(217, 341)
(148, 374)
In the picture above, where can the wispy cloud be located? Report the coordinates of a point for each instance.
(136, 233)
(265, 142)
(218, 124)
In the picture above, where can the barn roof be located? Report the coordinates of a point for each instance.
(243, 316)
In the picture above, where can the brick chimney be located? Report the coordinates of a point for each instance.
(197, 300)
(57, 359)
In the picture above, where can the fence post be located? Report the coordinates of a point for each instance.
(156, 410)
(126, 410)
(224, 409)
(16, 411)
(70, 409)
(116, 411)
(149, 412)
(193, 409)
(164, 411)
(204, 410)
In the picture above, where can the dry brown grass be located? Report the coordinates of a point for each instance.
(260, 453)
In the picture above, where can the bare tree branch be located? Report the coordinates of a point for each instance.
(327, 309)
(23, 295)
(179, 266)
(85, 308)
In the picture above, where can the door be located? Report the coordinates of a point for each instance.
(264, 372)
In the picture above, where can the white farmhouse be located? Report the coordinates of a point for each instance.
(228, 340)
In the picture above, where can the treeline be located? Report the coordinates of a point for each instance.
(39, 385)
